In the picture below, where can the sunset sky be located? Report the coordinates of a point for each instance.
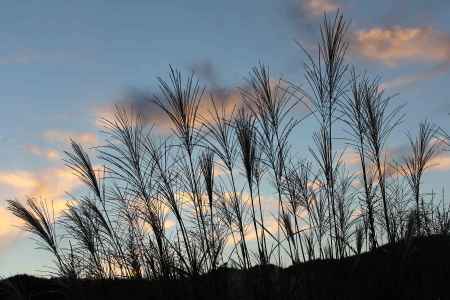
(65, 64)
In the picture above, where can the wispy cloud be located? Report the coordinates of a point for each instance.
(8, 228)
(306, 15)
(270, 225)
(50, 154)
(206, 71)
(414, 11)
(64, 136)
(19, 57)
(350, 158)
(319, 7)
(440, 163)
(410, 79)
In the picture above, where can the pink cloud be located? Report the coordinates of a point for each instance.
(394, 45)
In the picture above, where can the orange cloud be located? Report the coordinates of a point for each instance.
(19, 180)
(8, 228)
(51, 184)
(392, 45)
(440, 163)
(63, 136)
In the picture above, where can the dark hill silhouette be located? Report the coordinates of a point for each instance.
(418, 269)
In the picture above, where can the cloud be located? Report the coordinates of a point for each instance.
(20, 57)
(414, 11)
(440, 163)
(136, 101)
(142, 102)
(49, 154)
(270, 224)
(408, 80)
(351, 158)
(395, 159)
(319, 7)
(305, 16)
(9, 231)
(394, 45)
(50, 185)
(64, 136)
(206, 71)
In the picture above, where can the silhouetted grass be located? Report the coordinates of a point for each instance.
(186, 210)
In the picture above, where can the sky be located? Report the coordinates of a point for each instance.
(64, 65)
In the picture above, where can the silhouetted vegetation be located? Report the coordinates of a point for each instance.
(190, 206)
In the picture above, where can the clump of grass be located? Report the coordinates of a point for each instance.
(175, 206)
(39, 221)
(423, 149)
(326, 79)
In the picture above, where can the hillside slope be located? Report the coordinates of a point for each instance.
(416, 270)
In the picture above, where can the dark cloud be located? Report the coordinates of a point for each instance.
(206, 71)
(304, 23)
(142, 101)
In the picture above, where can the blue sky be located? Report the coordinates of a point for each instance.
(63, 64)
